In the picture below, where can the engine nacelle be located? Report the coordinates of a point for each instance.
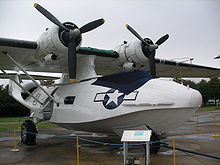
(53, 42)
(131, 55)
(49, 43)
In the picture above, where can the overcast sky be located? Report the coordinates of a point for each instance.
(193, 25)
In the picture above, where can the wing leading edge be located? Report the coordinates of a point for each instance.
(18, 43)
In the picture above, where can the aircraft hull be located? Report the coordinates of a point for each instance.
(159, 120)
(159, 105)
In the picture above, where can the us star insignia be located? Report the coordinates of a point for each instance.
(113, 98)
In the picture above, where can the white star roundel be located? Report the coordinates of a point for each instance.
(113, 98)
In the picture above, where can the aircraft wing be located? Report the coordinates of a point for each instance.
(169, 68)
(25, 53)
(164, 68)
(22, 51)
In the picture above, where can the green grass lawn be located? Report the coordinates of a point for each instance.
(9, 123)
(13, 119)
(209, 108)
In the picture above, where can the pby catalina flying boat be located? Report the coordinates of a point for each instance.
(82, 100)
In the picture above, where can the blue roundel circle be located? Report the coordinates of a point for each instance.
(112, 99)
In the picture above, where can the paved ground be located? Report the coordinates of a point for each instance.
(58, 150)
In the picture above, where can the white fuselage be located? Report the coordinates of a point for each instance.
(159, 104)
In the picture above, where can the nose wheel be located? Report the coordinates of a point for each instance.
(28, 133)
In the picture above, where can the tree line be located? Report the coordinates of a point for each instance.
(9, 107)
(210, 91)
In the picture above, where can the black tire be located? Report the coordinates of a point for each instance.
(155, 145)
(28, 133)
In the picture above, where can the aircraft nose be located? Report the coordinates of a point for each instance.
(196, 98)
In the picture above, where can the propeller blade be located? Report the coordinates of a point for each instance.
(162, 39)
(50, 16)
(136, 34)
(92, 25)
(72, 60)
(152, 65)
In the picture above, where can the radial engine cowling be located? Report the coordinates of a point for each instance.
(131, 52)
(55, 41)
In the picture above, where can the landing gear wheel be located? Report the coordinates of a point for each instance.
(155, 146)
(28, 133)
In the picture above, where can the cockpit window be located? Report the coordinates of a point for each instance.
(69, 99)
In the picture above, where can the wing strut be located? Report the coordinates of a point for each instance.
(31, 95)
(29, 76)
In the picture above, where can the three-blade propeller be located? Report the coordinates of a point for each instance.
(72, 35)
(149, 48)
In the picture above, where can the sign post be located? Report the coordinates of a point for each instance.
(136, 136)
